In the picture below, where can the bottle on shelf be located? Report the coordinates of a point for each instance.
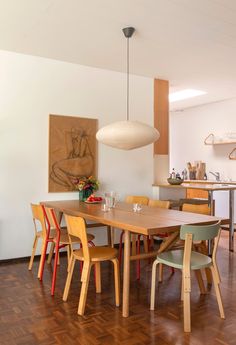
(205, 177)
(173, 174)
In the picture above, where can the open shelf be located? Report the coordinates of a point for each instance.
(211, 139)
(232, 154)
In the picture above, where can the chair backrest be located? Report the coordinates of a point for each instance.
(200, 232)
(38, 215)
(202, 209)
(51, 218)
(137, 199)
(159, 203)
(76, 227)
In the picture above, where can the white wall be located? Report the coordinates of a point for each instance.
(189, 128)
(30, 89)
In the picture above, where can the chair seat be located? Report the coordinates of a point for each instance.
(64, 238)
(174, 258)
(97, 253)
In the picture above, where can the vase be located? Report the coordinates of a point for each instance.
(84, 194)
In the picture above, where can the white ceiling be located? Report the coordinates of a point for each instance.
(192, 43)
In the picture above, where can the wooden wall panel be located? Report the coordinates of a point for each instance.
(161, 115)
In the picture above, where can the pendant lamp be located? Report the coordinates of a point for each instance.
(127, 135)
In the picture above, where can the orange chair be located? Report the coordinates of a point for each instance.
(89, 256)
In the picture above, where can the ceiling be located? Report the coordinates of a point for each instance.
(190, 43)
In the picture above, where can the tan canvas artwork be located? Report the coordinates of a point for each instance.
(72, 151)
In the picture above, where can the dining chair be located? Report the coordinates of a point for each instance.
(186, 260)
(135, 239)
(200, 246)
(60, 239)
(166, 205)
(201, 209)
(89, 256)
(40, 233)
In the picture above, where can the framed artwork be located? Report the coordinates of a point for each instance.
(72, 151)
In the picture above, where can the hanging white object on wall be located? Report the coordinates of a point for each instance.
(127, 135)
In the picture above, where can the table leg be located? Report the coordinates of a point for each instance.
(211, 204)
(126, 274)
(231, 220)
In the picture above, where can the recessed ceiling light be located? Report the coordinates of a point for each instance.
(184, 94)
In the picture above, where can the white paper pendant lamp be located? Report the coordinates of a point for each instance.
(127, 135)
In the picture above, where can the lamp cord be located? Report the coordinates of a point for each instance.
(127, 105)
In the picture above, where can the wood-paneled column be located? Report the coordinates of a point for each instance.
(161, 122)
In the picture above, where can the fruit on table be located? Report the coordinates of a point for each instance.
(93, 198)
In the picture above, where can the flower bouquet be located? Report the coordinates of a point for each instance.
(86, 186)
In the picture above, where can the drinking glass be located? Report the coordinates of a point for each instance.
(137, 207)
(111, 199)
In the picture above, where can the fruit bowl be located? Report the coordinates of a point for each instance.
(175, 181)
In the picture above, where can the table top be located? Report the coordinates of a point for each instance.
(149, 221)
(207, 187)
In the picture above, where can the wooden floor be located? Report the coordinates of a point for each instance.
(29, 315)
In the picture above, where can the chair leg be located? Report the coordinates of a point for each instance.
(69, 277)
(33, 252)
(153, 286)
(97, 267)
(218, 292)
(42, 259)
(182, 287)
(208, 276)
(68, 254)
(186, 296)
(84, 288)
(120, 246)
(198, 275)
(138, 264)
(160, 275)
(52, 247)
(117, 281)
(54, 276)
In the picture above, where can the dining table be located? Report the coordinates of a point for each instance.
(148, 221)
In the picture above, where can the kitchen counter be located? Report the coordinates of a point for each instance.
(166, 191)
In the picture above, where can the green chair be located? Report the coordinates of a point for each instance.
(187, 260)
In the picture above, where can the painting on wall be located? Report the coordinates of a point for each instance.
(72, 151)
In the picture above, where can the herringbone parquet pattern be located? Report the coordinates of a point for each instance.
(30, 316)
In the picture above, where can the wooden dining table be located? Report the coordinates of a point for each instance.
(149, 221)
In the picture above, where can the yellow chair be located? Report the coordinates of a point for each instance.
(142, 200)
(89, 256)
(159, 203)
(137, 199)
(187, 260)
(59, 237)
(202, 209)
(40, 233)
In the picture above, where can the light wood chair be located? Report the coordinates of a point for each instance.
(60, 239)
(89, 256)
(200, 246)
(40, 233)
(162, 204)
(187, 260)
(135, 239)
(159, 203)
(202, 209)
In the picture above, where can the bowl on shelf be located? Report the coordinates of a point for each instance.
(175, 181)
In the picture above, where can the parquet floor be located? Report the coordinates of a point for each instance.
(29, 315)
